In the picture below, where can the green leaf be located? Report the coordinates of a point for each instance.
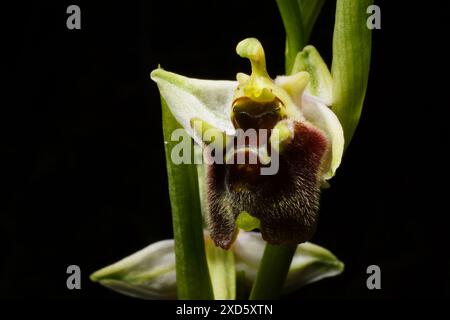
(151, 273)
(351, 62)
(193, 280)
(146, 274)
(221, 270)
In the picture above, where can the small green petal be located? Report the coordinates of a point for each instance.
(209, 134)
(281, 135)
(146, 274)
(294, 84)
(242, 78)
(321, 83)
(247, 222)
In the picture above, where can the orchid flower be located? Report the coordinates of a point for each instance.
(304, 134)
(150, 273)
(304, 121)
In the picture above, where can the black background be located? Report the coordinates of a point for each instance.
(83, 169)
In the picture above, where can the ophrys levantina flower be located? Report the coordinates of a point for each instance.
(304, 137)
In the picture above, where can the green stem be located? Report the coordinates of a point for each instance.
(193, 281)
(272, 272)
(295, 36)
(310, 10)
(351, 62)
(298, 17)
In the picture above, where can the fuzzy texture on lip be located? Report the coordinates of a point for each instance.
(286, 203)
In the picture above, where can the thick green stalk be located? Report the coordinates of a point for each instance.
(193, 281)
(272, 272)
(351, 62)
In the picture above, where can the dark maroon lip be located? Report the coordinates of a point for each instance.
(286, 203)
